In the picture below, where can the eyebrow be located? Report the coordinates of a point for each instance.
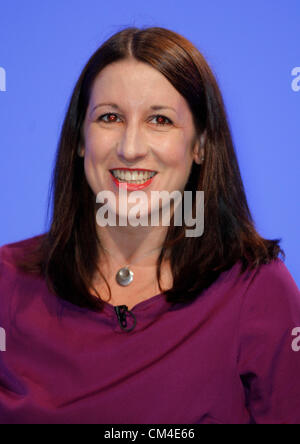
(154, 107)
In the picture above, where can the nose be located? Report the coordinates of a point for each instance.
(132, 145)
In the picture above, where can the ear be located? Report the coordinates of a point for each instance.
(199, 149)
(80, 150)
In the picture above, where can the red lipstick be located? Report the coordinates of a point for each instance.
(132, 186)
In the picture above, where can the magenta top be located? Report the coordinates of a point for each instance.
(228, 357)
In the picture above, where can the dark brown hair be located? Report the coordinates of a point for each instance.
(68, 253)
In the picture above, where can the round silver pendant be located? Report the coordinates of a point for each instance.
(124, 276)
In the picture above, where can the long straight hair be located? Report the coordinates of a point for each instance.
(68, 253)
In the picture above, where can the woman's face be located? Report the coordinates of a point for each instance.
(136, 120)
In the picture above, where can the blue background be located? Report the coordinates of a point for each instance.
(252, 48)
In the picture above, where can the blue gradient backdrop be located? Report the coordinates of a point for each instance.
(252, 48)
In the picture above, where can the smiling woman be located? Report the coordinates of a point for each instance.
(96, 316)
(157, 147)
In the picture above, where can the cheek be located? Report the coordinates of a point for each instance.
(177, 160)
(177, 153)
(97, 146)
(96, 151)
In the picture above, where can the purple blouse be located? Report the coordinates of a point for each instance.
(228, 357)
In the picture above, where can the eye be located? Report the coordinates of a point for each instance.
(110, 119)
(161, 120)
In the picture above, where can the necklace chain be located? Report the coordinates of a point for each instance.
(132, 263)
(125, 276)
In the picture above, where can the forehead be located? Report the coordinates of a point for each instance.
(134, 83)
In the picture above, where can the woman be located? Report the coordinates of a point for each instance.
(144, 324)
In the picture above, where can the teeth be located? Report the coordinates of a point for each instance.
(137, 177)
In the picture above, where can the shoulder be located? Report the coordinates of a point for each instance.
(271, 296)
(12, 258)
(272, 280)
(263, 282)
(13, 280)
(10, 253)
(18, 288)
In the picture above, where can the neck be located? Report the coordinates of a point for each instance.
(129, 243)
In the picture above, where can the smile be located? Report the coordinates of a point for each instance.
(133, 176)
(132, 179)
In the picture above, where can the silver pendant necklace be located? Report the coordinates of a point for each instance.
(125, 276)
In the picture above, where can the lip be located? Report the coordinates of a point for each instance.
(131, 186)
(133, 169)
